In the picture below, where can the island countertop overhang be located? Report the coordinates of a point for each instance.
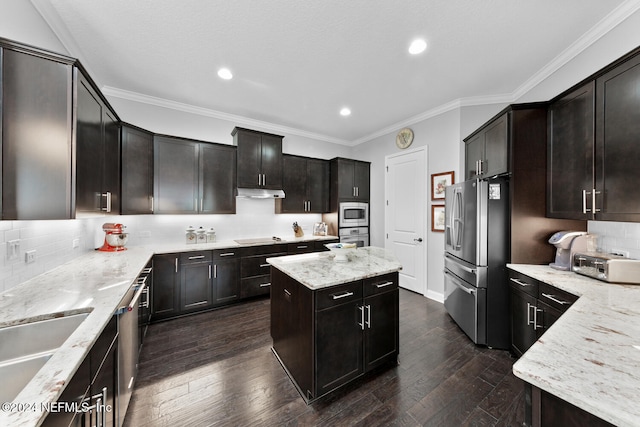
(319, 270)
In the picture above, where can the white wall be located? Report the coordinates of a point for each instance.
(20, 21)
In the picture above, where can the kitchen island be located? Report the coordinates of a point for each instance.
(332, 322)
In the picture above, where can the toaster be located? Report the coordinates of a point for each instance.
(607, 267)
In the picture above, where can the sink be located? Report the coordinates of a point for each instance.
(26, 348)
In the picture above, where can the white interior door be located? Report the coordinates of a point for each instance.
(405, 213)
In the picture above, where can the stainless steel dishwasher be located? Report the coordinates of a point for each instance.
(128, 343)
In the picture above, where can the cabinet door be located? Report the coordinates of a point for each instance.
(381, 340)
(474, 152)
(176, 176)
(317, 185)
(111, 177)
(523, 334)
(249, 159)
(345, 174)
(105, 383)
(617, 143)
(570, 154)
(89, 149)
(361, 177)
(294, 184)
(496, 149)
(74, 393)
(547, 316)
(226, 274)
(137, 171)
(166, 296)
(339, 346)
(196, 286)
(36, 171)
(271, 161)
(217, 179)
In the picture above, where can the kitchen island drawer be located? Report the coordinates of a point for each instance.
(340, 294)
(380, 284)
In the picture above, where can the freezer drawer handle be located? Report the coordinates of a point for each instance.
(458, 284)
(463, 267)
(344, 295)
(520, 282)
(552, 298)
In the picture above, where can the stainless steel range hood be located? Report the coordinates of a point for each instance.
(260, 193)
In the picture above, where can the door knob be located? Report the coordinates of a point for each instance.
(419, 239)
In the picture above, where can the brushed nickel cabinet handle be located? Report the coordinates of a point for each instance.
(382, 285)
(344, 295)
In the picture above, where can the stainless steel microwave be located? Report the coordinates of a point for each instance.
(353, 214)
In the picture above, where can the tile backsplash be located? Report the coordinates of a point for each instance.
(617, 237)
(57, 242)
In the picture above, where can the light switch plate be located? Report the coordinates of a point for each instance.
(13, 249)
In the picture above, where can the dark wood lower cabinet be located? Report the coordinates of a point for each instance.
(226, 276)
(549, 410)
(328, 337)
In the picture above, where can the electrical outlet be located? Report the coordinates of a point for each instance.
(13, 249)
(75, 243)
(620, 252)
(30, 256)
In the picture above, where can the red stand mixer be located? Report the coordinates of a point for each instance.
(115, 238)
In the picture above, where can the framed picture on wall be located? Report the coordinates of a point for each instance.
(438, 183)
(437, 218)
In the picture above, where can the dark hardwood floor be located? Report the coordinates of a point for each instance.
(217, 369)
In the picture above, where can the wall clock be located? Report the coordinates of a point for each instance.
(404, 138)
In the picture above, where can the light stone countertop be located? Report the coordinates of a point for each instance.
(93, 283)
(591, 356)
(319, 270)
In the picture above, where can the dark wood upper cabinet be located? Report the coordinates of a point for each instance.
(487, 150)
(259, 159)
(617, 143)
(193, 176)
(217, 178)
(97, 152)
(593, 147)
(137, 171)
(36, 128)
(349, 181)
(570, 153)
(306, 185)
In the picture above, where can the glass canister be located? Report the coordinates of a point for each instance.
(201, 235)
(191, 235)
(211, 235)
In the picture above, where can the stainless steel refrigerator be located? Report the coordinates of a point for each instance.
(476, 253)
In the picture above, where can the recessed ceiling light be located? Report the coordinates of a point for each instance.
(417, 46)
(345, 112)
(225, 73)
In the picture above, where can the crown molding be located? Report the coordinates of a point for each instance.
(191, 109)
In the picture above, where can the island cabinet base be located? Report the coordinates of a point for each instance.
(545, 409)
(328, 337)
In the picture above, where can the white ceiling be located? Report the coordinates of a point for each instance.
(296, 63)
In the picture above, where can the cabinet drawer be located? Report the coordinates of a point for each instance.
(339, 294)
(193, 257)
(554, 297)
(254, 286)
(380, 284)
(524, 283)
(226, 253)
(300, 248)
(256, 265)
